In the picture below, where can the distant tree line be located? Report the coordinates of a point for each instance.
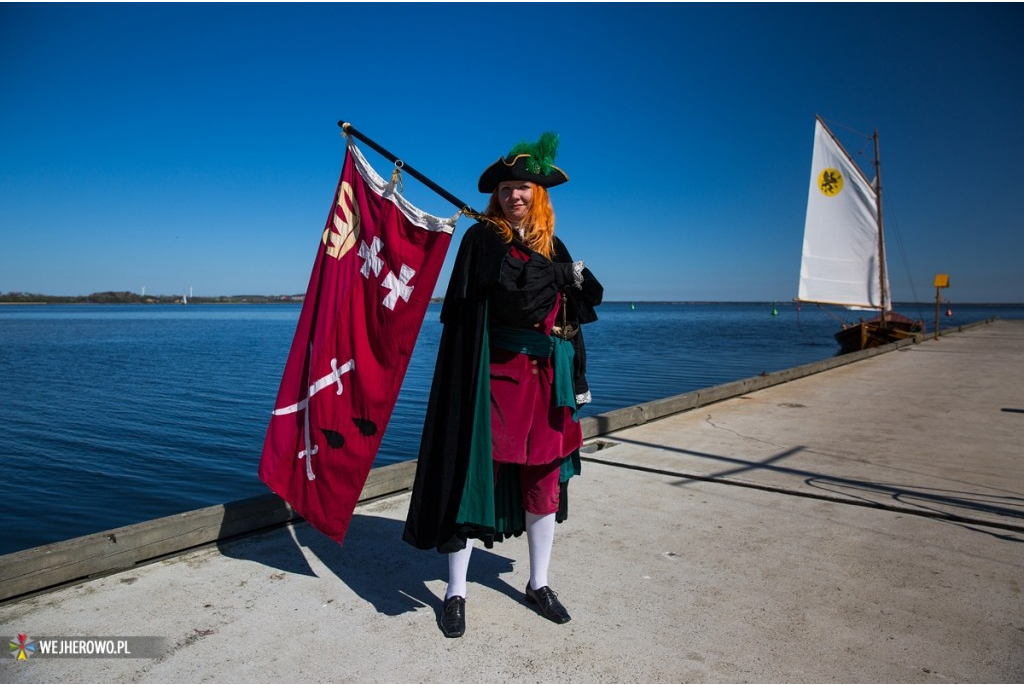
(125, 297)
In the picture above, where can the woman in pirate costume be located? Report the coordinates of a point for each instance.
(501, 437)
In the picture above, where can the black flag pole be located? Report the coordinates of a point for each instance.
(349, 129)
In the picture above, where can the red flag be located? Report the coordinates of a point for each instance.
(374, 275)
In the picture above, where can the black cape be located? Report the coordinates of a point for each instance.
(485, 278)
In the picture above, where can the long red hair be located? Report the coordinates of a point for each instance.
(539, 224)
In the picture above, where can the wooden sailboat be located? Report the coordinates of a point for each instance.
(843, 260)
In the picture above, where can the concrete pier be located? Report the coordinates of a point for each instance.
(862, 524)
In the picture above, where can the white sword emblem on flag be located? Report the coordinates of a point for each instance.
(334, 377)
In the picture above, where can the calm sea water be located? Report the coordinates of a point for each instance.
(117, 414)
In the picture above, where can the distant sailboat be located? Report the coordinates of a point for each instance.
(843, 260)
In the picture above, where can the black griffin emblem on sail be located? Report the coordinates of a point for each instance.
(830, 182)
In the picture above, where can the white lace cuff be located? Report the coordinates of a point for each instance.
(577, 274)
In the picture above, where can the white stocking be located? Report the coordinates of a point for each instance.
(458, 568)
(540, 535)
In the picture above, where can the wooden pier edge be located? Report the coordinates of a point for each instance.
(595, 426)
(62, 563)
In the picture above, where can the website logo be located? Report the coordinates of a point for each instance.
(22, 646)
(86, 647)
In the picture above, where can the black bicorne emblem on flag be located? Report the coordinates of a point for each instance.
(365, 426)
(334, 438)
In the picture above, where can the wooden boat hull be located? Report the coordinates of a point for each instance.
(873, 333)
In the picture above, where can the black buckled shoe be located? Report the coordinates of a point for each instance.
(453, 616)
(547, 601)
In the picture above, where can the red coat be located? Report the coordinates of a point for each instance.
(526, 425)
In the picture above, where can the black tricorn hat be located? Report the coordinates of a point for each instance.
(526, 162)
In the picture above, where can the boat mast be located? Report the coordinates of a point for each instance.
(881, 235)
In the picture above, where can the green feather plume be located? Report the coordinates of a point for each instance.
(542, 153)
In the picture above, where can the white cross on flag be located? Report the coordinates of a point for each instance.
(375, 270)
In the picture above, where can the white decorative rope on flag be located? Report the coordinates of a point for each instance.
(388, 191)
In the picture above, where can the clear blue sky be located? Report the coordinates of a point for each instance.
(193, 145)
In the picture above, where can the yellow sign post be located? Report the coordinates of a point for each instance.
(941, 281)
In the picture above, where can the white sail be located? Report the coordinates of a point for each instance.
(841, 256)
